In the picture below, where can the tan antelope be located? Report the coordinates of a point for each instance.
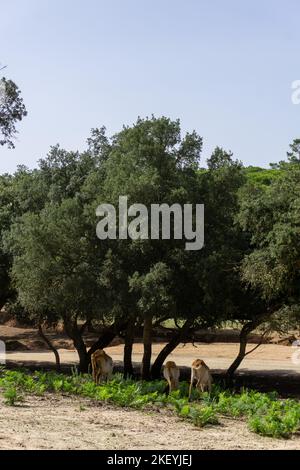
(171, 374)
(200, 372)
(102, 366)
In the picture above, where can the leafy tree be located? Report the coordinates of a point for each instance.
(49, 201)
(55, 269)
(293, 156)
(149, 163)
(211, 290)
(220, 159)
(64, 173)
(272, 218)
(19, 193)
(12, 110)
(121, 310)
(62, 272)
(98, 144)
(294, 153)
(154, 298)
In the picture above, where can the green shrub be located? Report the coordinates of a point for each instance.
(12, 396)
(266, 413)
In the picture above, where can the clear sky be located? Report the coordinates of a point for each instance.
(224, 68)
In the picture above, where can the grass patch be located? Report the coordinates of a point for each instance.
(266, 414)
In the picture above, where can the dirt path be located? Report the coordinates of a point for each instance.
(53, 422)
(268, 357)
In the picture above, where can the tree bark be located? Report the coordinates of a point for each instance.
(129, 340)
(82, 354)
(74, 333)
(168, 348)
(147, 341)
(50, 345)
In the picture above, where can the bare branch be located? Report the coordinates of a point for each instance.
(259, 343)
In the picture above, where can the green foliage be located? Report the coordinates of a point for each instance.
(221, 159)
(153, 289)
(54, 268)
(281, 420)
(12, 396)
(54, 263)
(271, 218)
(294, 153)
(260, 177)
(12, 384)
(266, 413)
(12, 110)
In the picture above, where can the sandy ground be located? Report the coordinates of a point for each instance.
(268, 357)
(55, 422)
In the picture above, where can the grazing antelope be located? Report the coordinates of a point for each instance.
(171, 374)
(201, 373)
(102, 366)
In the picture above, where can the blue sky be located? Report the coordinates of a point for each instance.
(224, 68)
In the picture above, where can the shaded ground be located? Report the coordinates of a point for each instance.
(269, 367)
(53, 422)
(268, 357)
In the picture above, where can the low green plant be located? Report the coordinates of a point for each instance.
(12, 396)
(265, 412)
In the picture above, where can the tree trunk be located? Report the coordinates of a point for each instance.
(103, 341)
(168, 348)
(107, 336)
(76, 335)
(147, 341)
(50, 345)
(83, 357)
(245, 331)
(129, 339)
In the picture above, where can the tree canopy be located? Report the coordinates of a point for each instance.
(54, 266)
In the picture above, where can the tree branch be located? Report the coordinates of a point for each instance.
(83, 327)
(50, 346)
(259, 343)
